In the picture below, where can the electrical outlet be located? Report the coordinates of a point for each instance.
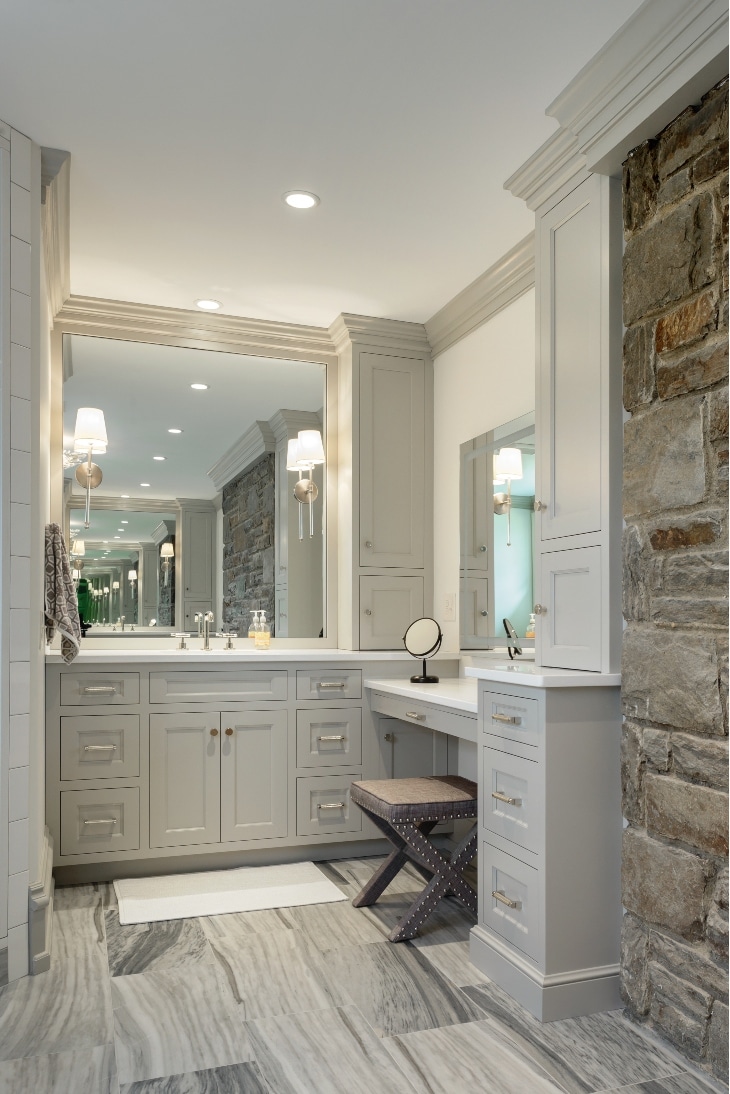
(448, 608)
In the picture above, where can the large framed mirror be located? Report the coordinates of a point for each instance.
(497, 496)
(196, 510)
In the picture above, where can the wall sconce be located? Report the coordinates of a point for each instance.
(90, 438)
(167, 553)
(132, 578)
(76, 575)
(507, 466)
(303, 454)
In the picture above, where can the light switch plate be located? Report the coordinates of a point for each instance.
(448, 608)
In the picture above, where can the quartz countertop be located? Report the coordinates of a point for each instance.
(456, 694)
(527, 674)
(131, 653)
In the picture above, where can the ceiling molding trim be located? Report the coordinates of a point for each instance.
(123, 505)
(557, 167)
(55, 227)
(255, 443)
(664, 58)
(196, 330)
(159, 534)
(379, 333)
(287, 423)
(500, 285)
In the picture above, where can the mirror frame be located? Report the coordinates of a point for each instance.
(148, 323)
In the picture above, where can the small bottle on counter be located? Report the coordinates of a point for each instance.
(262, 638)
(252, 626)
(530, 632)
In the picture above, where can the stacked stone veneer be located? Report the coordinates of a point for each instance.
(675, 746)
(249, 512)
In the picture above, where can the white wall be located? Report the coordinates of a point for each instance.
(484, 380)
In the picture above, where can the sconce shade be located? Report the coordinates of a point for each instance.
(115, 585)
(78, 547)
(90, 431)
(167, 550)
(132, 575)
(75, 575)
(292, 455)
(508, 464)
(310, 446)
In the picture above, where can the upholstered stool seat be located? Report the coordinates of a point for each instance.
(406, 811)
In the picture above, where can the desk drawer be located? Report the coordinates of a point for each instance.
(324, 806)
(99, 689)
(329, 684)
(514, 913)
(329, 738)
(515, 719)
(422, 714)
(99, 820)
(100, 746)
(227, 686)
(521, 817)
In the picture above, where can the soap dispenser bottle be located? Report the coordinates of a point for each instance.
(530, 632)
(252, 626)
(262, 638)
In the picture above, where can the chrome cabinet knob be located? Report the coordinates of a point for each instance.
(368, 611)
(483, 547)
(484, 613)
(539, 506)
(538, 609)
(368, 544)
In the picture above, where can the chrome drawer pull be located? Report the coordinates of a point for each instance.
(330, 684)
(100, 748)
(416, 717)
(508, 719)
(107, 690)
(333, 737)
(102, 820)
(330, 805)
(506, 900)
(503, 798)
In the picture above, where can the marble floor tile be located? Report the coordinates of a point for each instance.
(449, 922)
(597, 1052)
(141, 947)
(91, 1071)
(175, 1020)
(396, 989)
(279, 974)
(472, 1057)
(452, 961)
(84, 896)
(234, 1079)
(351, 874)
(685, 1083)
(331, 926)
(247, 924)
(327, 1052)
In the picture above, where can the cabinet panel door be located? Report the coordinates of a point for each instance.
(392, 457)
(198, 536)
(253, 774)
(569, 634)
(184, 779)
(475, 526)
(474, 611)
(387, 606)
(409, 752)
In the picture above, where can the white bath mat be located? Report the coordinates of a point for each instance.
(251, 888)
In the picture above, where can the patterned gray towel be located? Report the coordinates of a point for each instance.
(61, 606)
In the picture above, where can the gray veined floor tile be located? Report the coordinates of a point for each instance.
(473, 1057)
(397, 990)
(278, 974)
(685, 1083)
(331, 926)
(142, 947)
(84, 896)
(597, 1052)
(449, 922)
(88, 1071)
(234, 1079)
(351, 874)
(452, 961)
(68, 1007)
(174, 1021)
(327, 1052)
(247, 924)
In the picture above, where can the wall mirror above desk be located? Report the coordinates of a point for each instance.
(497, 495)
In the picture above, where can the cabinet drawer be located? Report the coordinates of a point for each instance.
(329, 738)
(422, 714)
(512, 802)
(513, 718)
(97, 689)
(515, 912)
(100, 746)
(324, 806)
(329, 684)
(228, 686)
(99, 820)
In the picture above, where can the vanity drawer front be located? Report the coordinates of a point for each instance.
(421, 714)
(228, 686)
(99, 820)
(329, 684)
(100, 746)
(512, 717)
(514, 913)
(324, 806)
(512, 802)
(329, 738)
(99, 689)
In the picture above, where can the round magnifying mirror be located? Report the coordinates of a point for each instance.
(423, 639)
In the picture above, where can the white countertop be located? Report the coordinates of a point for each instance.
(456, 694)
(135, 654)
(527, 674)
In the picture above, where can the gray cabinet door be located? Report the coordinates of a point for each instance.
(392, 460)
(253, 774)
(197, 556)
(571, 628)
(185, 756)
(410, 751)
(388, 604)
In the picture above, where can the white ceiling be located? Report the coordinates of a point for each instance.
(187, 121)
(109, 531)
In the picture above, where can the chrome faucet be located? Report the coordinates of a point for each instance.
(207, 620)
(121, 622)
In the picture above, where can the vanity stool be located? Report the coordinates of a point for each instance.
(406, 810)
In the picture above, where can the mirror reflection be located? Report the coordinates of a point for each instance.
(196, 508)
(497, 488)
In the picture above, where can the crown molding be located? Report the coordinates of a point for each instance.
(255, 443)
(379, 333)
(159, 534)
(123, 505)
(287, 423)
(55, 226)
(665, 57)
(504, 282)
(193, 329)
(557, 167)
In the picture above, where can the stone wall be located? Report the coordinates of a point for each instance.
(675, 745)
(248, 544)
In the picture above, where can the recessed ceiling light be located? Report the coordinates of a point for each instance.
(301, 199)
(174, 431)
(208, 305)
(144, 484)
(103, 541)
(159, 457)
(117, 537)
(124, 495)
(124, 522)
(199, 387)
